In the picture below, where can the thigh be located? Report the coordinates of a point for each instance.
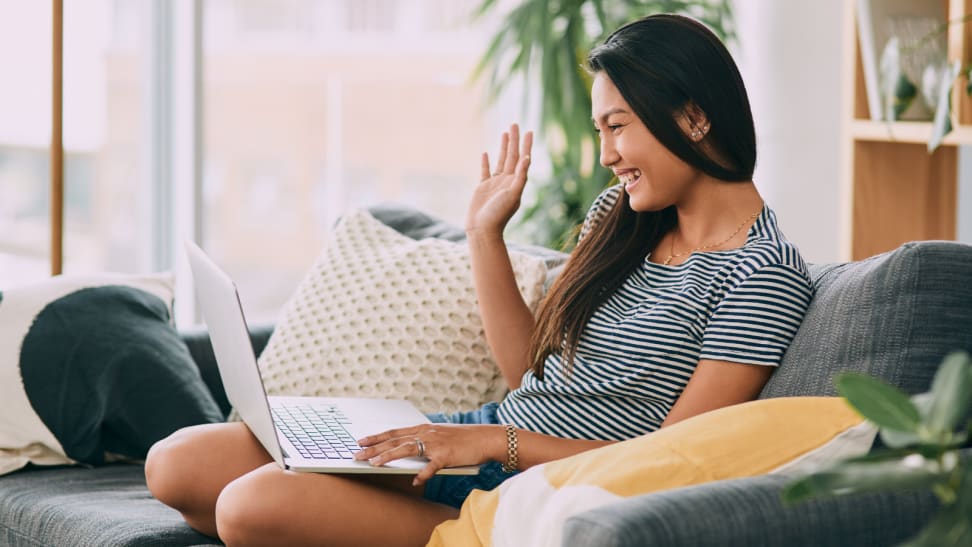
(189, 469)
(270, 505)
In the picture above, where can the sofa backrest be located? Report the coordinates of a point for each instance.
(893, 316)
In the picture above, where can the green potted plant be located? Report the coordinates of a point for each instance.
(923, 435)
(546, 42)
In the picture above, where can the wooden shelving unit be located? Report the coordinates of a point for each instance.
(894, 190)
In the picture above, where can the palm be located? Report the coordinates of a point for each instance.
(494, 201)
(498, 194)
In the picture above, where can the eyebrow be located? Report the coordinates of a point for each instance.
(617, 110)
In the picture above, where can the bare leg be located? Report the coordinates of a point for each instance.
(270, 506)
(190, 469)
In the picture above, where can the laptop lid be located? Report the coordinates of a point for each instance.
(221, 308)
(223, 313)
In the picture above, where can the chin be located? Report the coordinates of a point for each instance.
(641, 204)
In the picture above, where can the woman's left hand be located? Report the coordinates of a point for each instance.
(445, 445)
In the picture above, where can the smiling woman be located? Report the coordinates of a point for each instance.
(627, 341)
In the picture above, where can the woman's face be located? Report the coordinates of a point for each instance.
(653, 177)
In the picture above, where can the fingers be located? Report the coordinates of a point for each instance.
(527, 144)
(426, 473)
(524, 164)
(512, 160)
(484, 169)
(372, 440)
(504, 145)
(404, 449)
(512, 151)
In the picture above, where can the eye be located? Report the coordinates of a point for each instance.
(615, 127)
(597, 130)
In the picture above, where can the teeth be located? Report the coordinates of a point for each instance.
(629, 177)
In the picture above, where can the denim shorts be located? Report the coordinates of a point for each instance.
(453, 489)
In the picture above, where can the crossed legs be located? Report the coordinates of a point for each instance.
(225, 484)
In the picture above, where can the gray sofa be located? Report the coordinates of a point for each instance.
(893, 316)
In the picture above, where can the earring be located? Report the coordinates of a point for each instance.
(697, 132)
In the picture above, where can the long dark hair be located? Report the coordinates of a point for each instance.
(665, 66)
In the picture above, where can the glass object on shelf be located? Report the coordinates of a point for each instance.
(313, 107)
(916, 47)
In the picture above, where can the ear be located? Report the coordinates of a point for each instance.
(693, 122)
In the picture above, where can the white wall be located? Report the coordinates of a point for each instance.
(790, 56)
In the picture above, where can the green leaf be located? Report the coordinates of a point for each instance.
(909, 472)
(898, 439)
(951, 394)
(904, 93)
(483, 8)
(881, 455)
(885, 405)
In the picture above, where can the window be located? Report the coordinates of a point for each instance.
(312, 107)
(107, 193)
(25, 54)
(307, 108)
(106, 228)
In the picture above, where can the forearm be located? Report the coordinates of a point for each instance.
(537, 448)
(507, 320)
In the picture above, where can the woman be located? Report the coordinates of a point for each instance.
(680, 297)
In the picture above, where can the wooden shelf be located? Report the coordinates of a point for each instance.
(906, 132)
(893, 189)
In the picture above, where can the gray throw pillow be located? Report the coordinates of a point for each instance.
(893, 316)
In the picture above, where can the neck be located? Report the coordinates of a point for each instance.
(713, 211)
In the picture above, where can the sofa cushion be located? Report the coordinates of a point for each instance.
(416, 224)
(91, 368)
(893, 316)
(737, 441)
(383, 315)
(749, 512)
(107, 505)
(197, 340)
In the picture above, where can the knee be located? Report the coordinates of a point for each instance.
(167, 466)
(244, 513)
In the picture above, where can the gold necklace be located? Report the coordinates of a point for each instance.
(673, 254)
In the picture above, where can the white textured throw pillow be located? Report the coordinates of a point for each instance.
(382, 315)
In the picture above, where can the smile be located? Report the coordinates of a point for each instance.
(630, 178)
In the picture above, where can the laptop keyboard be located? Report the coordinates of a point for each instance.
(317, 432)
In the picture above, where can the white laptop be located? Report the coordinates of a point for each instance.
(311, 434)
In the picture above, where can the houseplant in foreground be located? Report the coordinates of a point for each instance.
(923, 435)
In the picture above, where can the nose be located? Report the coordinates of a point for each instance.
(609, 155)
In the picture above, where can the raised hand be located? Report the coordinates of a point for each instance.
(497, 197)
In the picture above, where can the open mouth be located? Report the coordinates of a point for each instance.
(630, 178)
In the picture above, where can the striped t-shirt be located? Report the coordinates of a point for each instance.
(639, 349)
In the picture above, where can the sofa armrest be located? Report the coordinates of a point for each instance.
(201, 349)
(746, 512)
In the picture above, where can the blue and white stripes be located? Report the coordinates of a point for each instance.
(640, 347)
